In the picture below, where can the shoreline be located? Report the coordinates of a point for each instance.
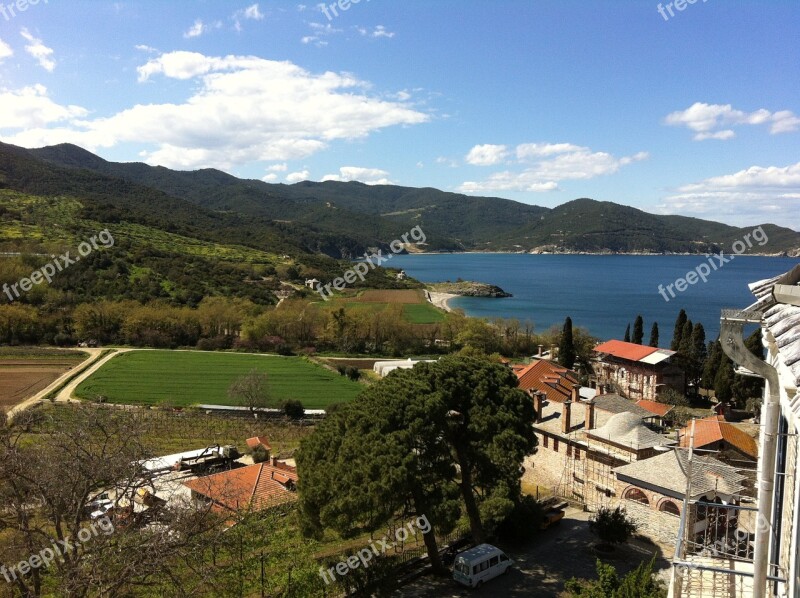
(441, 300)
(420, 253)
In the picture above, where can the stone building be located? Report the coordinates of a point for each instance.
(636, 371)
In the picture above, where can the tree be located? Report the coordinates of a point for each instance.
(566, 347)
(723, 381)
(670, 396)
(654, 335)
(46, 487)
(419, 439)
(678, 331)
(712, 365)
(612, 526)
(251, 391)
(627, 337)
(642, 582)
(638, 330)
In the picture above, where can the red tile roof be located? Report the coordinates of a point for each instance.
(255, 487)
(623, 350)
(660, 409)
(711, 430)
(258, 441)
(552, 379)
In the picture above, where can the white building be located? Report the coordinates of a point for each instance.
(383, 368)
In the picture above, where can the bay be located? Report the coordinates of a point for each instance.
(603, 293)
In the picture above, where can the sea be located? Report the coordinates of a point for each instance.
(602, 293)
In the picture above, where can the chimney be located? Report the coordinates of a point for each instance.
(590, 414)
(576, 393)
(541, 351)
(274, 461)
(566, 418)
(538, 404)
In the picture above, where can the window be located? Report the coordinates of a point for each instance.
(636, 495)
(494, 560)
(503, 558)
(670, 507)
(577, 454)
(484, 566)
(476, 569)
(545, 440)
(555, 444)
(569, 450)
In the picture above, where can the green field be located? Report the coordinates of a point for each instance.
(181, 378)
(422, 313)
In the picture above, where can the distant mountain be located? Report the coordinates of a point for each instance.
(342, 219)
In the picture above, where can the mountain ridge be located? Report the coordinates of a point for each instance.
(354, 216)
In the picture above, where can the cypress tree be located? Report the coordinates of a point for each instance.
(627, 338)
(712, 365)
(566, 348)
(678, 332)
(654, 335)
(638, 330)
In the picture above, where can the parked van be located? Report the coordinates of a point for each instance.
(475, 566)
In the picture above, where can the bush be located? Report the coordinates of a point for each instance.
(353, 373)
(341, 369)
(294, 410)
(612, 526)
(260, 454)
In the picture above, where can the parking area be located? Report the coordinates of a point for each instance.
(541, 567)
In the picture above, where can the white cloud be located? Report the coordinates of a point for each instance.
(242, 110)
(270, 178)
(5, 50)
(320, 31)
(30, 107)
(278, 167)
(200, 28)
(251, 13)
(714, 121)
(298, 177)
(546, 165)
(368, 176)
(527, 151)
(486, 155)
(39, 51)
(377, 32)
(748, 196)
(146, 48)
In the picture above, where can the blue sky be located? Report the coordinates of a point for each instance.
(542, 102)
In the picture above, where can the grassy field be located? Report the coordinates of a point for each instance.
(181, 378)
(416, 309)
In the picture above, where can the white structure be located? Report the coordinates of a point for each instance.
(775, 567)
(312, 283)
(382, 368)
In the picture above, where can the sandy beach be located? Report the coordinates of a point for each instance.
(440, 300)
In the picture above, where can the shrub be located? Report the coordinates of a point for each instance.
(294, 410)
(353, 373)
(612, 526)
(523, 521)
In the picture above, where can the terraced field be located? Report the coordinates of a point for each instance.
(184, 378)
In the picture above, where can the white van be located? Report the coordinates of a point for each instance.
(482, 563)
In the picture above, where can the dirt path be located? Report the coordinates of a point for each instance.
(86, 369)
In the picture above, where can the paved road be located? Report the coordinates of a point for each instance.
(542, 567)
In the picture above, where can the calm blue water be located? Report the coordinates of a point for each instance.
(600, 292)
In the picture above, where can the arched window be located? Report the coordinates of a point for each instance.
(636, 495)
(670, 507)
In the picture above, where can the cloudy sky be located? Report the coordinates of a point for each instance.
(540, 101)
